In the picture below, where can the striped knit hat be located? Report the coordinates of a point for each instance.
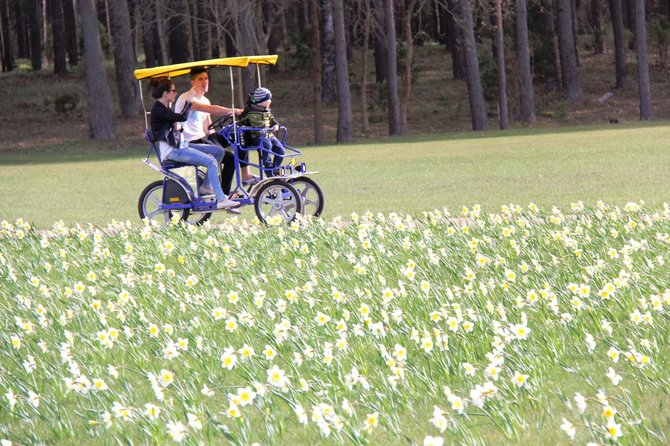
(260, 95)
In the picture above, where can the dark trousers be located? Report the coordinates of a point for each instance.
(227, 165)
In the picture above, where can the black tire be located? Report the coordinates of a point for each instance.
(311, 195)
(277, 197)
(149, 203)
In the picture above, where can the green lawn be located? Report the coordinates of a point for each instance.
(414, 174)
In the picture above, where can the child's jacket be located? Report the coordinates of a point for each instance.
(255, 116)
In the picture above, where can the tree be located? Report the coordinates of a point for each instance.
(178, 32)
(71, 39)
(642, 61)
(379, 41)
(8, 61)
(619, 43)
(566, 45)
(526, 101)
(161, 35)
(203, 47)
(100, 108)
(148, 18)
(455, 42)
(58, 32)
(395, 127)
(475, 91)
(500, 63)
(597, 25)
(34, 11)
(344, 116)
(245, 42)
(329, 94)
(124, 59)
(406, 21)
(366, 23)
(316, 71)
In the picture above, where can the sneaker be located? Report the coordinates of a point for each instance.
(232, 210)
(227, 204)
(251, 181)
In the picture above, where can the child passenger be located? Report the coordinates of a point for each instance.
(257, 113)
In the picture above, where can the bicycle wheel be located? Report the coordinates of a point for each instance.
(277, 197)
(311, 195)
(149, 205)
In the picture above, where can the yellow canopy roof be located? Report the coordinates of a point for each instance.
(185, 68)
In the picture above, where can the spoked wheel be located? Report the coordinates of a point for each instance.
(277, 198)
(149, 205)
(311, 195)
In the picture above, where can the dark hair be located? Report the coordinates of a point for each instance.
(198, 70)
(160, 85)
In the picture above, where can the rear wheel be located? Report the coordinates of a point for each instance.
(150, 202)
(277, 198)
(311, 195)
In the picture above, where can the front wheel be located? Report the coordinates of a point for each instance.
(150, 205)
(277, 198)
(311, 195)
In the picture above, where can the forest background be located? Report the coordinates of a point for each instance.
(348, 68)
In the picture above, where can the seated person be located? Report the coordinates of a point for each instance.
(196, 127)
(257, 114)
(163, 124)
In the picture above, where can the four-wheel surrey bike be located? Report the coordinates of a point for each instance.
(175, 197)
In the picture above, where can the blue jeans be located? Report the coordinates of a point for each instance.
(270, 144)
(205, 155)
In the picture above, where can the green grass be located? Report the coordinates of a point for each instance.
(79, 184)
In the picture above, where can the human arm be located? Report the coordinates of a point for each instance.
(164, 114)
(218, 110)
(273, 123)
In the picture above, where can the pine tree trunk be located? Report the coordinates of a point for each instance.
(500, 62)
(71, 37)
(365, 51)
(124, 59)
(161, 35)
(246, 43)
(58, 32)
(8, 55)
(526, 96)
(619, 44)
(569, 72)
(148, 33)
(100, 109)
(204, 35)
(316, 72)
(455, 42)
(392, 70)
(329, 93)
(407, 72)
(344, 116)
(34, 11)
(597, 25)
(475, 91)
(642, 61)
(178, 34)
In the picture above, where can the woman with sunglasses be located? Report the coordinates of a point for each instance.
(163, 119)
